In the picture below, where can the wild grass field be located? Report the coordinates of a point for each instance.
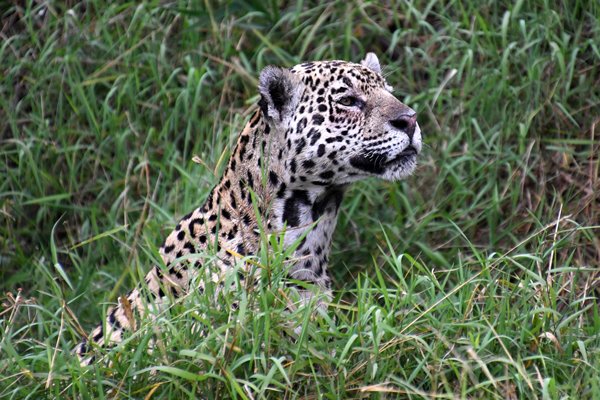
(477, 278)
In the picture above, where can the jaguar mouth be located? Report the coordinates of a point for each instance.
(378, 164)
(405, 155)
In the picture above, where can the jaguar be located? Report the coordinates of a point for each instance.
(319, 127)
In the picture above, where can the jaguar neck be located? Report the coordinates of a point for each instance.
(259, 178)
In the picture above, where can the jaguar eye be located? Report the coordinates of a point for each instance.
(349, 101)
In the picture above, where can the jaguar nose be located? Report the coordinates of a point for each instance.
(405, 123)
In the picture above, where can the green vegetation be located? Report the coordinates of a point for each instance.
(476, 278)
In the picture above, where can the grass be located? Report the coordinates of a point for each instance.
(476, 278)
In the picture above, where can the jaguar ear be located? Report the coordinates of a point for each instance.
(372, 62)
(280, 92)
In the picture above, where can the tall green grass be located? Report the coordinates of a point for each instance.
(476, 278)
